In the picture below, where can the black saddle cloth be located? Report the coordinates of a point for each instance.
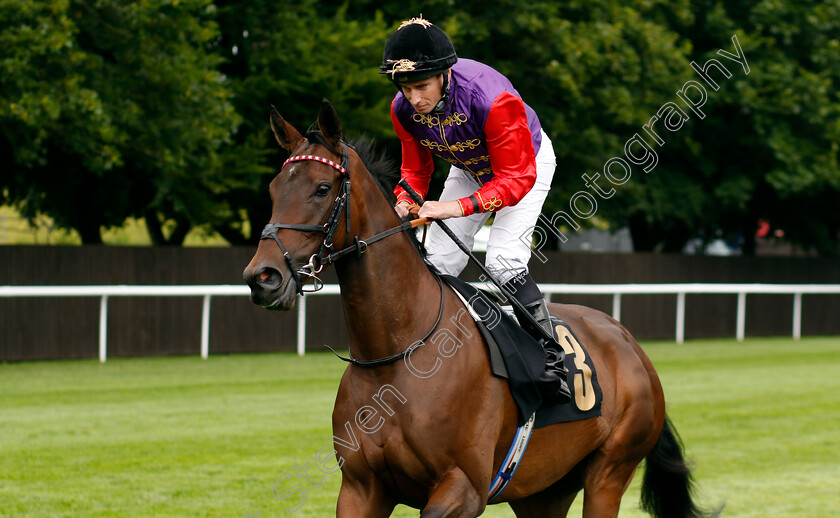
(518, 357)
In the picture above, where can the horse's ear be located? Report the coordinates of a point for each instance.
(286, 135)
(329, 124)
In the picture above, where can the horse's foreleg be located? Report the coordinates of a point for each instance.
(368, 500)
(454, 497)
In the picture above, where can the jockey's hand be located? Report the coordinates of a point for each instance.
(441, 210)
(402, 209)
(405, 209)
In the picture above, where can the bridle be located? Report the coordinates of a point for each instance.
(326, 255)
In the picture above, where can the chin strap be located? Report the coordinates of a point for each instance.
(441, 105)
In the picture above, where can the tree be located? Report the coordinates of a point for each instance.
(291, 55)
(136, 108)
(766, 145)
(596, 72)
(110, 110)
(770, 144)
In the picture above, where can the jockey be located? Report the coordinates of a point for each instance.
(501, 160)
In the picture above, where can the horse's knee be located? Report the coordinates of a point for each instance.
(454, 497)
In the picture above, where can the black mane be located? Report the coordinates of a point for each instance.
(383, 168)
(386, 173)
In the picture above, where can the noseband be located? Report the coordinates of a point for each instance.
(325, 254)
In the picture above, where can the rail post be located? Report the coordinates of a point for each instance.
(301, 326)
(616, 308)
(797, 316)
(205, 327)
(742, 315)
(103, 328)
(680, 317)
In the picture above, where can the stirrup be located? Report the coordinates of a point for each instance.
(554, 356)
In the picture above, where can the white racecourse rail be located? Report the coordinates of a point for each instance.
(616, 290)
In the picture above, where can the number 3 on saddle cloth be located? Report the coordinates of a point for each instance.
(516, 356)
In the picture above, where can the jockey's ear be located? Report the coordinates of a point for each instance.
(329, 124)
(286, 135)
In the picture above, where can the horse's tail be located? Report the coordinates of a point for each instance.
(668, 487)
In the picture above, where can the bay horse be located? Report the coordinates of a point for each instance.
(435, 441)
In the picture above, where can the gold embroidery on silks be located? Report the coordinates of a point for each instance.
(493, 204)
(458, 146)
(488, 206)
(476, 160)
(433, 120)
(482, 172)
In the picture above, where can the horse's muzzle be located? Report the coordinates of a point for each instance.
(268, 288)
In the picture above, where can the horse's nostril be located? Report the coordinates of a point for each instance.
(269, 278)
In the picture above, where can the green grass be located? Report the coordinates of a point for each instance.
(177, 437)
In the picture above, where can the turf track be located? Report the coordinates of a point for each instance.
(185, 437)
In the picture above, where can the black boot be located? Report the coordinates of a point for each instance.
(552, 383)
(554, 355)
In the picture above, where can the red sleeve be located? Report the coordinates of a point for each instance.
(417, 163)
(512, 157)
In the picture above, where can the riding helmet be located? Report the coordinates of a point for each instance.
(416, 51)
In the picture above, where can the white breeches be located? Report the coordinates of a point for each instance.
(509, 244)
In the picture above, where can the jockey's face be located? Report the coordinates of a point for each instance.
(424, 95)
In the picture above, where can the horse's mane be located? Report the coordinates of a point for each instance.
(386, 173)
(382, 167)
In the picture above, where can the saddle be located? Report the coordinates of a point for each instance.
(517, 357)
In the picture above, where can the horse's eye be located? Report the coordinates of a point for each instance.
(323, 190)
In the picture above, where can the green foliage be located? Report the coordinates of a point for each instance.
(291, 55)
(767, 148)
(595, 73)
(110, 110)
(158, 109)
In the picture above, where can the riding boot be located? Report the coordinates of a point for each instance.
(552, 383)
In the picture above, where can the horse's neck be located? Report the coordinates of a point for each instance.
(390, 298)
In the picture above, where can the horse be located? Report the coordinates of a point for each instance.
(428, 426)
